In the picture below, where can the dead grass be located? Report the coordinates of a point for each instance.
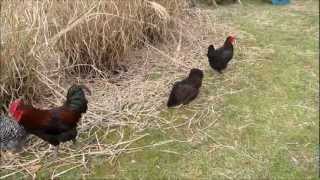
(131, 99)
(46, 40)
(128, 99)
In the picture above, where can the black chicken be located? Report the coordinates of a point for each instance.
(219, 58)
(186, 90)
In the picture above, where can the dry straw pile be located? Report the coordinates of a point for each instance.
(66, 37)
(47, 45)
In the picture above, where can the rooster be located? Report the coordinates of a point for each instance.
(219, 58)
(186, 90)
(12, 135)
(53, 125)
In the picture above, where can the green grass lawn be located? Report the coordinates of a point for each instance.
(257, 121)
(267, 128)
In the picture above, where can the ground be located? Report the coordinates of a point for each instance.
(259, 120)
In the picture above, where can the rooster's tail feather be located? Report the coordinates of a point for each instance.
(76, 98)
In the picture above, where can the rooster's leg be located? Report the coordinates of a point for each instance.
(74, 141)
(55, 153)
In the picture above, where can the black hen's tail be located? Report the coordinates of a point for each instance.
(210, 50)
(172, 100)
(211, 47)
(76, 98)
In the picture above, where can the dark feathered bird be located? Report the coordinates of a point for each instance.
(186, 90)
(12, 135)
(53, 125)
(219, 58)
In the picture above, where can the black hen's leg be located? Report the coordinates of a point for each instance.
(74, 141)
(56, 151)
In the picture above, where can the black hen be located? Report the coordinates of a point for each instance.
(186, 90)
(219, 58)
